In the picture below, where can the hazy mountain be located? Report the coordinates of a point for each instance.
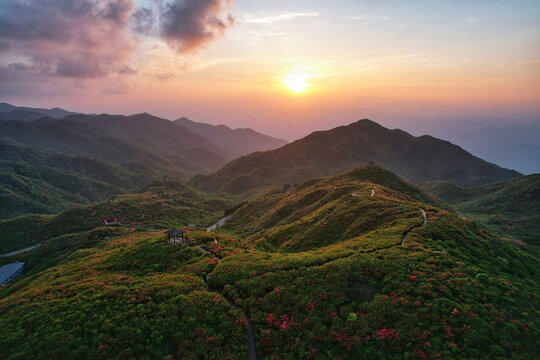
(324, 153)
(11, 112)
(141, 143)
(323, 270)
(243, 141)
(510, 207)
(511, 143)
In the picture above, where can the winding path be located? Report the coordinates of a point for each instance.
(252, 353)
(219, 223)
(415, 227)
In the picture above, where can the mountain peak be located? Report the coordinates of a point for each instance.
(325, 153)
(366, 122)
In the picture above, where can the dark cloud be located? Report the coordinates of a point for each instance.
(72, 38)
(81, 67)
(126, 70)
(190, 24)
(95, 38)
(14, 71)
(143, 20)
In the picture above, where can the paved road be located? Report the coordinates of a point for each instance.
(21, 251)
(219, 223)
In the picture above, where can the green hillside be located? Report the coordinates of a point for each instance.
(142, 142)
(325, 153)
(54, 159)
(370, 278)
(324, 211)
(159, 205)
(36, 181)
(509, 207)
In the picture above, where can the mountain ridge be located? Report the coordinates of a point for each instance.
(244, 140)
(324, 153)
(12, 112)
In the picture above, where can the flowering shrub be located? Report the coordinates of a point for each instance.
(320, 274)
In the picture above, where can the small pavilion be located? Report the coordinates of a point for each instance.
(176, 236)
(111, 221)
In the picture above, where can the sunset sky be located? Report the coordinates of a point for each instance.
(233, 62)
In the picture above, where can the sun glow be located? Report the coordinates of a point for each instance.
(297, 81)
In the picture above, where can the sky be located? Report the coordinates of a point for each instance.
(282, 67)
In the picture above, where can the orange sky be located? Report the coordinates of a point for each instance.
(382, 60)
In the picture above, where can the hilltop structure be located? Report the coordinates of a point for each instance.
(176, 236)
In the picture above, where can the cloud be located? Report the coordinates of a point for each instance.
(116, 87)
(143, 20)
(165, 76)
(269, 19)
(88, 39)
(189, 24)
(71, 38)
(369, 18)
(126, 70)
(14, 71)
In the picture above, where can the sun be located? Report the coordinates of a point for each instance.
(297, 81)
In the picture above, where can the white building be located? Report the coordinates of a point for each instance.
(9, 272)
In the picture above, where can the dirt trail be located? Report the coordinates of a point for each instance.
(415, 227)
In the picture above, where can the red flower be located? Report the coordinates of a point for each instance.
(413, 278)
(388, 334)
(455, 312)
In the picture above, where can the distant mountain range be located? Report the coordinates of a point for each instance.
(137, 149)
(11, 112)
(325, 153)
(244, 141)
(514, 144)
